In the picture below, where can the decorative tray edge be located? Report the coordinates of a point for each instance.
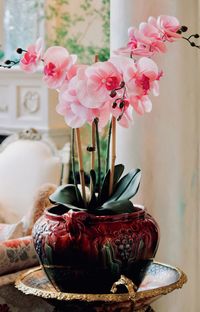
(146, 294)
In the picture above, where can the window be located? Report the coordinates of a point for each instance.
(22, 23)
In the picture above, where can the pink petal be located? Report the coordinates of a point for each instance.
(148, 67)
(141, 104)
(155, 88)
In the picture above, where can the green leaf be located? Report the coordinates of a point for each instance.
(93, 201)
(104, 195)
(116, 207)
(93, 180)
(92, 206)
(67, 195)
(127, 187)
(73, 207)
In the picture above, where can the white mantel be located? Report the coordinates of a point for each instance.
(26, 102)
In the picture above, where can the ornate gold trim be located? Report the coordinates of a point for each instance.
(147, 294)
(30, 134)
(131, 287)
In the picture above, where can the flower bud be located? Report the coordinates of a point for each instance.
(19, 50)
(121, 104)
(7, 62)
(113, 93)
(122, 84)
(114, 105)
(184, 28)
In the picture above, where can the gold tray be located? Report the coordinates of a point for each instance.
(160, 279)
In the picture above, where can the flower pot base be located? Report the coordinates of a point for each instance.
(160, 279)
(97, 280)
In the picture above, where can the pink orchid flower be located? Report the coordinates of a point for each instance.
(169, 25)
(32, 57)
(75, 114)
(148, 40)
(82, 90)
(102, 78)
(57, 64)
(145, 41)
(150, 36)
(144, 79)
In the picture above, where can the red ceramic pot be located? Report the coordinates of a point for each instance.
(84, 253)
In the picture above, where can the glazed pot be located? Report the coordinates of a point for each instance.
(84, 253)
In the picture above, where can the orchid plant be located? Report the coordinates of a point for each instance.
(102, 93)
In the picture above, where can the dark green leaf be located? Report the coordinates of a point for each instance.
(127, 187)
(73, 207)
(119, 169)
(116, 207)
(93, 201)
(67, 195)
(93, 180)
(92, 204)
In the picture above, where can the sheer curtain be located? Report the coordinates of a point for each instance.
(165, 145)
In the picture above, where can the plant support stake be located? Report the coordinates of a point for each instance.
(98, 154)
(113, 155)
(80, 160)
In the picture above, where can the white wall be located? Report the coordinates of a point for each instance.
(165, 143)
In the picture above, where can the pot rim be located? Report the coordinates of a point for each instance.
(95, 218)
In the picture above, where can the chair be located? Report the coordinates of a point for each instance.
(28, 162)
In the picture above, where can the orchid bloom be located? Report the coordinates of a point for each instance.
(168, 25)
(151, 36)
(102, 78)
(114, 87)
(143, 42)
(82, 90)
(32, 57)
(144, 79)
(74, 112)
(57, 63)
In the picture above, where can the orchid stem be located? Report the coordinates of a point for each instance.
(93, 146)
(80, 160)
(96, 58)
(92, 155)
(73, 163)
(113, 155)
(108, 147)
(98, 154)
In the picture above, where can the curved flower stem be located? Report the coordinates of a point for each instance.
(98, 154)
(108, 147)
(80, 160)
(113, 155)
